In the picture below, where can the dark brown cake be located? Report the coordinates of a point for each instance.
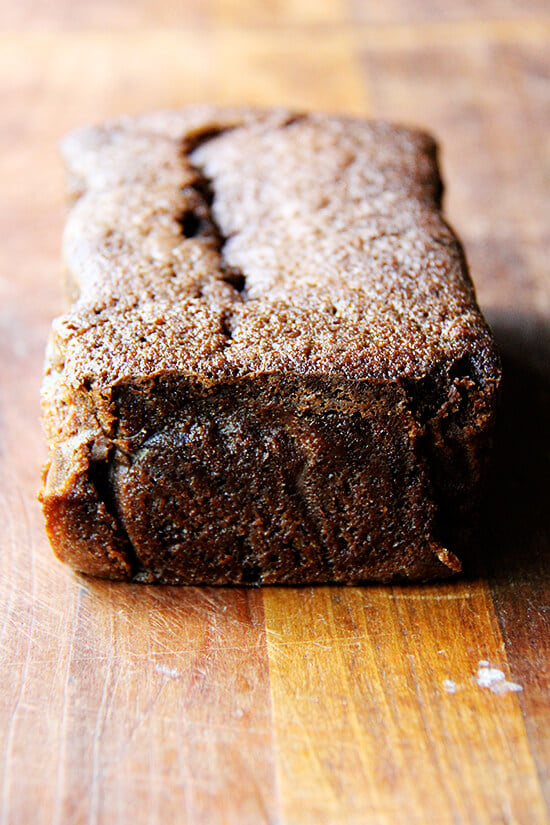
(274, 368)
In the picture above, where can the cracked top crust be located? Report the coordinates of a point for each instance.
(230, 241)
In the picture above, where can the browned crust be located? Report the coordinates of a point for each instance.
(323, 258)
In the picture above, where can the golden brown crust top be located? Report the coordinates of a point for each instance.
(278, 242)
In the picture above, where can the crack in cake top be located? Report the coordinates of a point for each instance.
(223, 242)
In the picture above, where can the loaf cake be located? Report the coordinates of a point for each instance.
(273, 368)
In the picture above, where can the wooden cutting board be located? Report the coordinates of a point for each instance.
(127, 704)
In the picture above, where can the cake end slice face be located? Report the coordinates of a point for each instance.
(273, 369)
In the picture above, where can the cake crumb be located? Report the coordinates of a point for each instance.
(494, 679)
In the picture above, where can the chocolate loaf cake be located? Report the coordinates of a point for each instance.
(274, 368)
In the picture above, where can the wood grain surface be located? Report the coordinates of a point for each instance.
(127, 704)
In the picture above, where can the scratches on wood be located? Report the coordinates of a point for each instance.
(121, 700)
(362, 716)
(191, 718)
(125, 704)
